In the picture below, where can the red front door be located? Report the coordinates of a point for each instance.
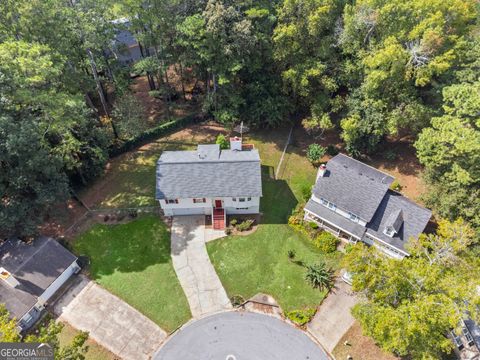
(218, 203)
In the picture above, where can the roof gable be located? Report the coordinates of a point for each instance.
(353, 186)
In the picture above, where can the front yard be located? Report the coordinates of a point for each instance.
(133, 262)
(258, 263)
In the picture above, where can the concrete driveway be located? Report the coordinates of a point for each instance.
(240, 336)
(110, 321)
(333, 318)
(200, 282)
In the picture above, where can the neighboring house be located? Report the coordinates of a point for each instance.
(353, 201)
(210, 181)
(126, 48)
(467, 344)
(30, 274)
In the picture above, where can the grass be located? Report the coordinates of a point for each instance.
(95, 351)
(133, 262)
(258, 263)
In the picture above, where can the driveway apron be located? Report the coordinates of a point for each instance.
(333, 318)
(110, 321)
(200, 282)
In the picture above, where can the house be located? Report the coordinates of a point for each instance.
(354, 202)
(30, 274)
(210, 181)
(126, 48)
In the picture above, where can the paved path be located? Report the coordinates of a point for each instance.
(333, 318)
(110, 321)
(240, 336)
(200, 282)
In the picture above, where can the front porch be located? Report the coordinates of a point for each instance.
(334, 230)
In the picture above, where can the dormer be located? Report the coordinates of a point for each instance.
(393, 223)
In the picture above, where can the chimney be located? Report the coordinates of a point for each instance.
(321, 171)
(236, 143)
(8, 278)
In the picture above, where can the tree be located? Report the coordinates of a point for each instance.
(319, 276)
(410, 305)
(45, 334)
(222, 141)
(315, 152)
(32, 179)
(398, 57)
(129, 115)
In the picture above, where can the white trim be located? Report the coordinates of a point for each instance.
(335, 225)
(402, 251)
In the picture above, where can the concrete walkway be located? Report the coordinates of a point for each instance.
(333, 318)
(200, 282)
(110, 321)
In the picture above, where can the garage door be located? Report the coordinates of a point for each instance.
(190, 211)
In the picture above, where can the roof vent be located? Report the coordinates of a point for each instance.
(6, 276)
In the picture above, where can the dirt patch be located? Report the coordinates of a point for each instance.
(61, 217)
(359, 346)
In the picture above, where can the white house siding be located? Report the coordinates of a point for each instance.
(385, 248)
(52, 289)
(188, 207)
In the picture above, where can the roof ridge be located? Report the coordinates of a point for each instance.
(364, 164)
(31, 256)
(413, 202)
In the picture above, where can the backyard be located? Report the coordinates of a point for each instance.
(133, 262)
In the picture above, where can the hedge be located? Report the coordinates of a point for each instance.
(154, 133)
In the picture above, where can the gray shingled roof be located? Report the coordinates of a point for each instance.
(208, 172)
(353, 186)
(415, 218)
(35, 266)
(336, 219)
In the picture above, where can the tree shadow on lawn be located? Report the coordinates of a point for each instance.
(126, 248)
(278, 200)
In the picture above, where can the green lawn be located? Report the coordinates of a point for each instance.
(258, 262)
(133, 262)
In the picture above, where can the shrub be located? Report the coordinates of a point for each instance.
(237, 300)
(348, 248)
(319, 276)
(306, 192)
(315, 152)
(228, 230)
(332, 150)
(396, 186)
(301, 317)
(233, 222)
(313, 225)
(291, 254)
(326, 242)
(222, 141)
(245, 225)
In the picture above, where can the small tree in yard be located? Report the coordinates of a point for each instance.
(319, 276)
(222, 141)
(315, 152)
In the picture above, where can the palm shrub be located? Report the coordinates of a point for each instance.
(222, 141)
(315, 152)
(319, 276)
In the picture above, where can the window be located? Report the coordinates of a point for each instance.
(199, 200)
(353, 217)
(241, 199)
(171, 201)
(332, 206)
(389, 231)
(249, 199)
(234, 199)
(324, 202)
(242, 208)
